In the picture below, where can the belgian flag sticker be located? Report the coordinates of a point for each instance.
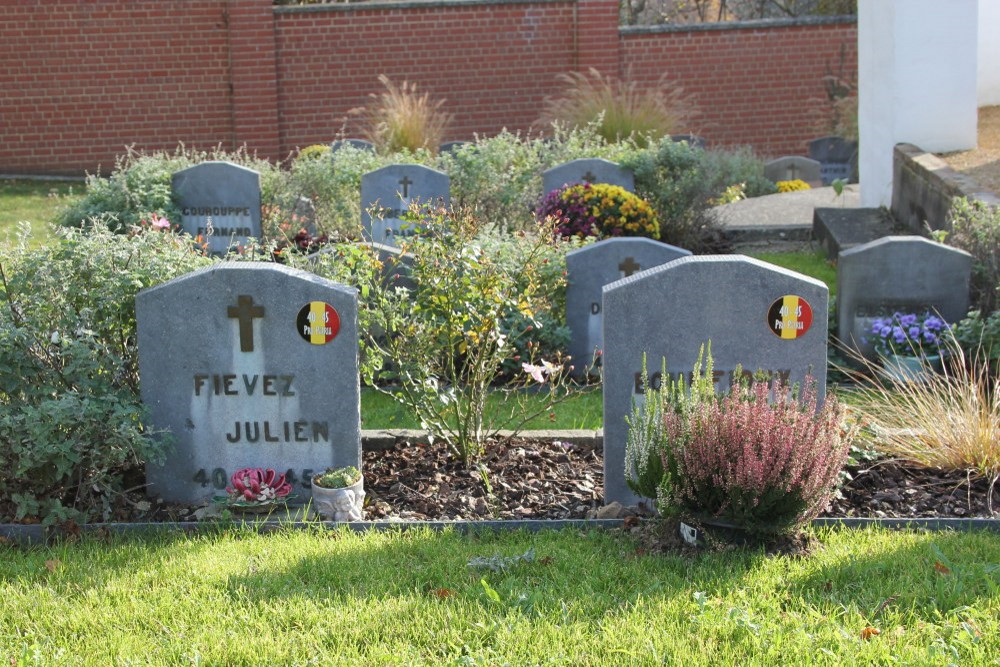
(790, 317)
(318, 322)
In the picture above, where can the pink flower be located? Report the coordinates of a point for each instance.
(258, 484)
(536, 372)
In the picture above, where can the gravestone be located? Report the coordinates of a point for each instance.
(249, 365)
(393, 189)
(219, 201)
(589, 269)
(791, 168)
(898, 273)
(397, 266)
(755, 314)
(360, 144)
(836, 157)
(837, 229)
(587, 170)
(693, 140)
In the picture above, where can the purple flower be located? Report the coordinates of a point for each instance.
(898, 335)
(908, 320)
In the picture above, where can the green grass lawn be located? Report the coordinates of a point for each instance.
(36, 202)
(589, 598)
(584, 410)
(813, 264)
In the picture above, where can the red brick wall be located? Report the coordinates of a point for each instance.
(759, 86)
(493, 64)
(80, 80)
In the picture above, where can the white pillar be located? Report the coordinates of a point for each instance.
(989, 52)
(916, 83)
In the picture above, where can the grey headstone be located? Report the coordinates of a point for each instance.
(793, 167)
(669, 311)
(898, 273)
(450, 146)
(589, 269)
(836, 157)
(393, 189)
(587, 170)
(360, 144)
(838, 229)
(220, 202)
(692, 139)
(227, 367)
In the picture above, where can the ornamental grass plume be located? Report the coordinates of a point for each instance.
(621, 109)
(948, 420)
(761, 457)
(399, 118)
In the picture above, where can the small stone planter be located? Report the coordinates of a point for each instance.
(911, 369)
(343, 504)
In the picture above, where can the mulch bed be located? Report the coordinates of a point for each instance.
(543, 479)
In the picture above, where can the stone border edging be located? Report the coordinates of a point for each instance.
(376, 440)
(35, 534)
(400, 4)
(755, 24)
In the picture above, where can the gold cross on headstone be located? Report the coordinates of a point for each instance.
(406, 183)
(245, 311)
(589, 176)
(629, 266)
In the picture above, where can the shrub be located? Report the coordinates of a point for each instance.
(948, 421)
(399, 118)
(975, 228)
(443, 340)
(599, 210)
(620, 109)
(140, 185)
(682, 182)
(763, 457)
(979, 337)
(71, 423)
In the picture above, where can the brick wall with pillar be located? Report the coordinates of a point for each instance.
(253, 72)
(597, 41)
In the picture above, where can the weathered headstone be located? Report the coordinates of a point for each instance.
(791, 168)
(392, 189)
(249, 365)
(587, 170)
(220, 202)
(589, 269)
(836, 157)
(898, 273)
(755, 314)
(693, 140)
(360, 144)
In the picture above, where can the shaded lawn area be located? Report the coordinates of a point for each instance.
(36, 202)
(812, 264)
(589, 597)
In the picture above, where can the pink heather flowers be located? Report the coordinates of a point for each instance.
(763, 465)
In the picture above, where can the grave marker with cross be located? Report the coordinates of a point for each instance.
(628, 267)
(245, 311)
(587, 170)
(391, 189)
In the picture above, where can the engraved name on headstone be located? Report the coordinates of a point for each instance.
(220, 202)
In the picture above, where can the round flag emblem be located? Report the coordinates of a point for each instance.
(318, 323)
(790, 317)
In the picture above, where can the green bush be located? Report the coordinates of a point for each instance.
(682, 183)
(139, 186)
(71, 423)
(975, 228)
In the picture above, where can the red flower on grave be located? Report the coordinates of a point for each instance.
(258, 485)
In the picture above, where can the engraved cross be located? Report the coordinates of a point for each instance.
(589, 176)
(245, 311)
(629, 266)
(406, 183)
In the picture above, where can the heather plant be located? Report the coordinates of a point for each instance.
(442, 340)
(620, 109)
(599, 210)
(71, 424)
(975, 228)
(764, 457)
(400, 118)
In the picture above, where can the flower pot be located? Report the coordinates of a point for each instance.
(343, 504)
(911, 369)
